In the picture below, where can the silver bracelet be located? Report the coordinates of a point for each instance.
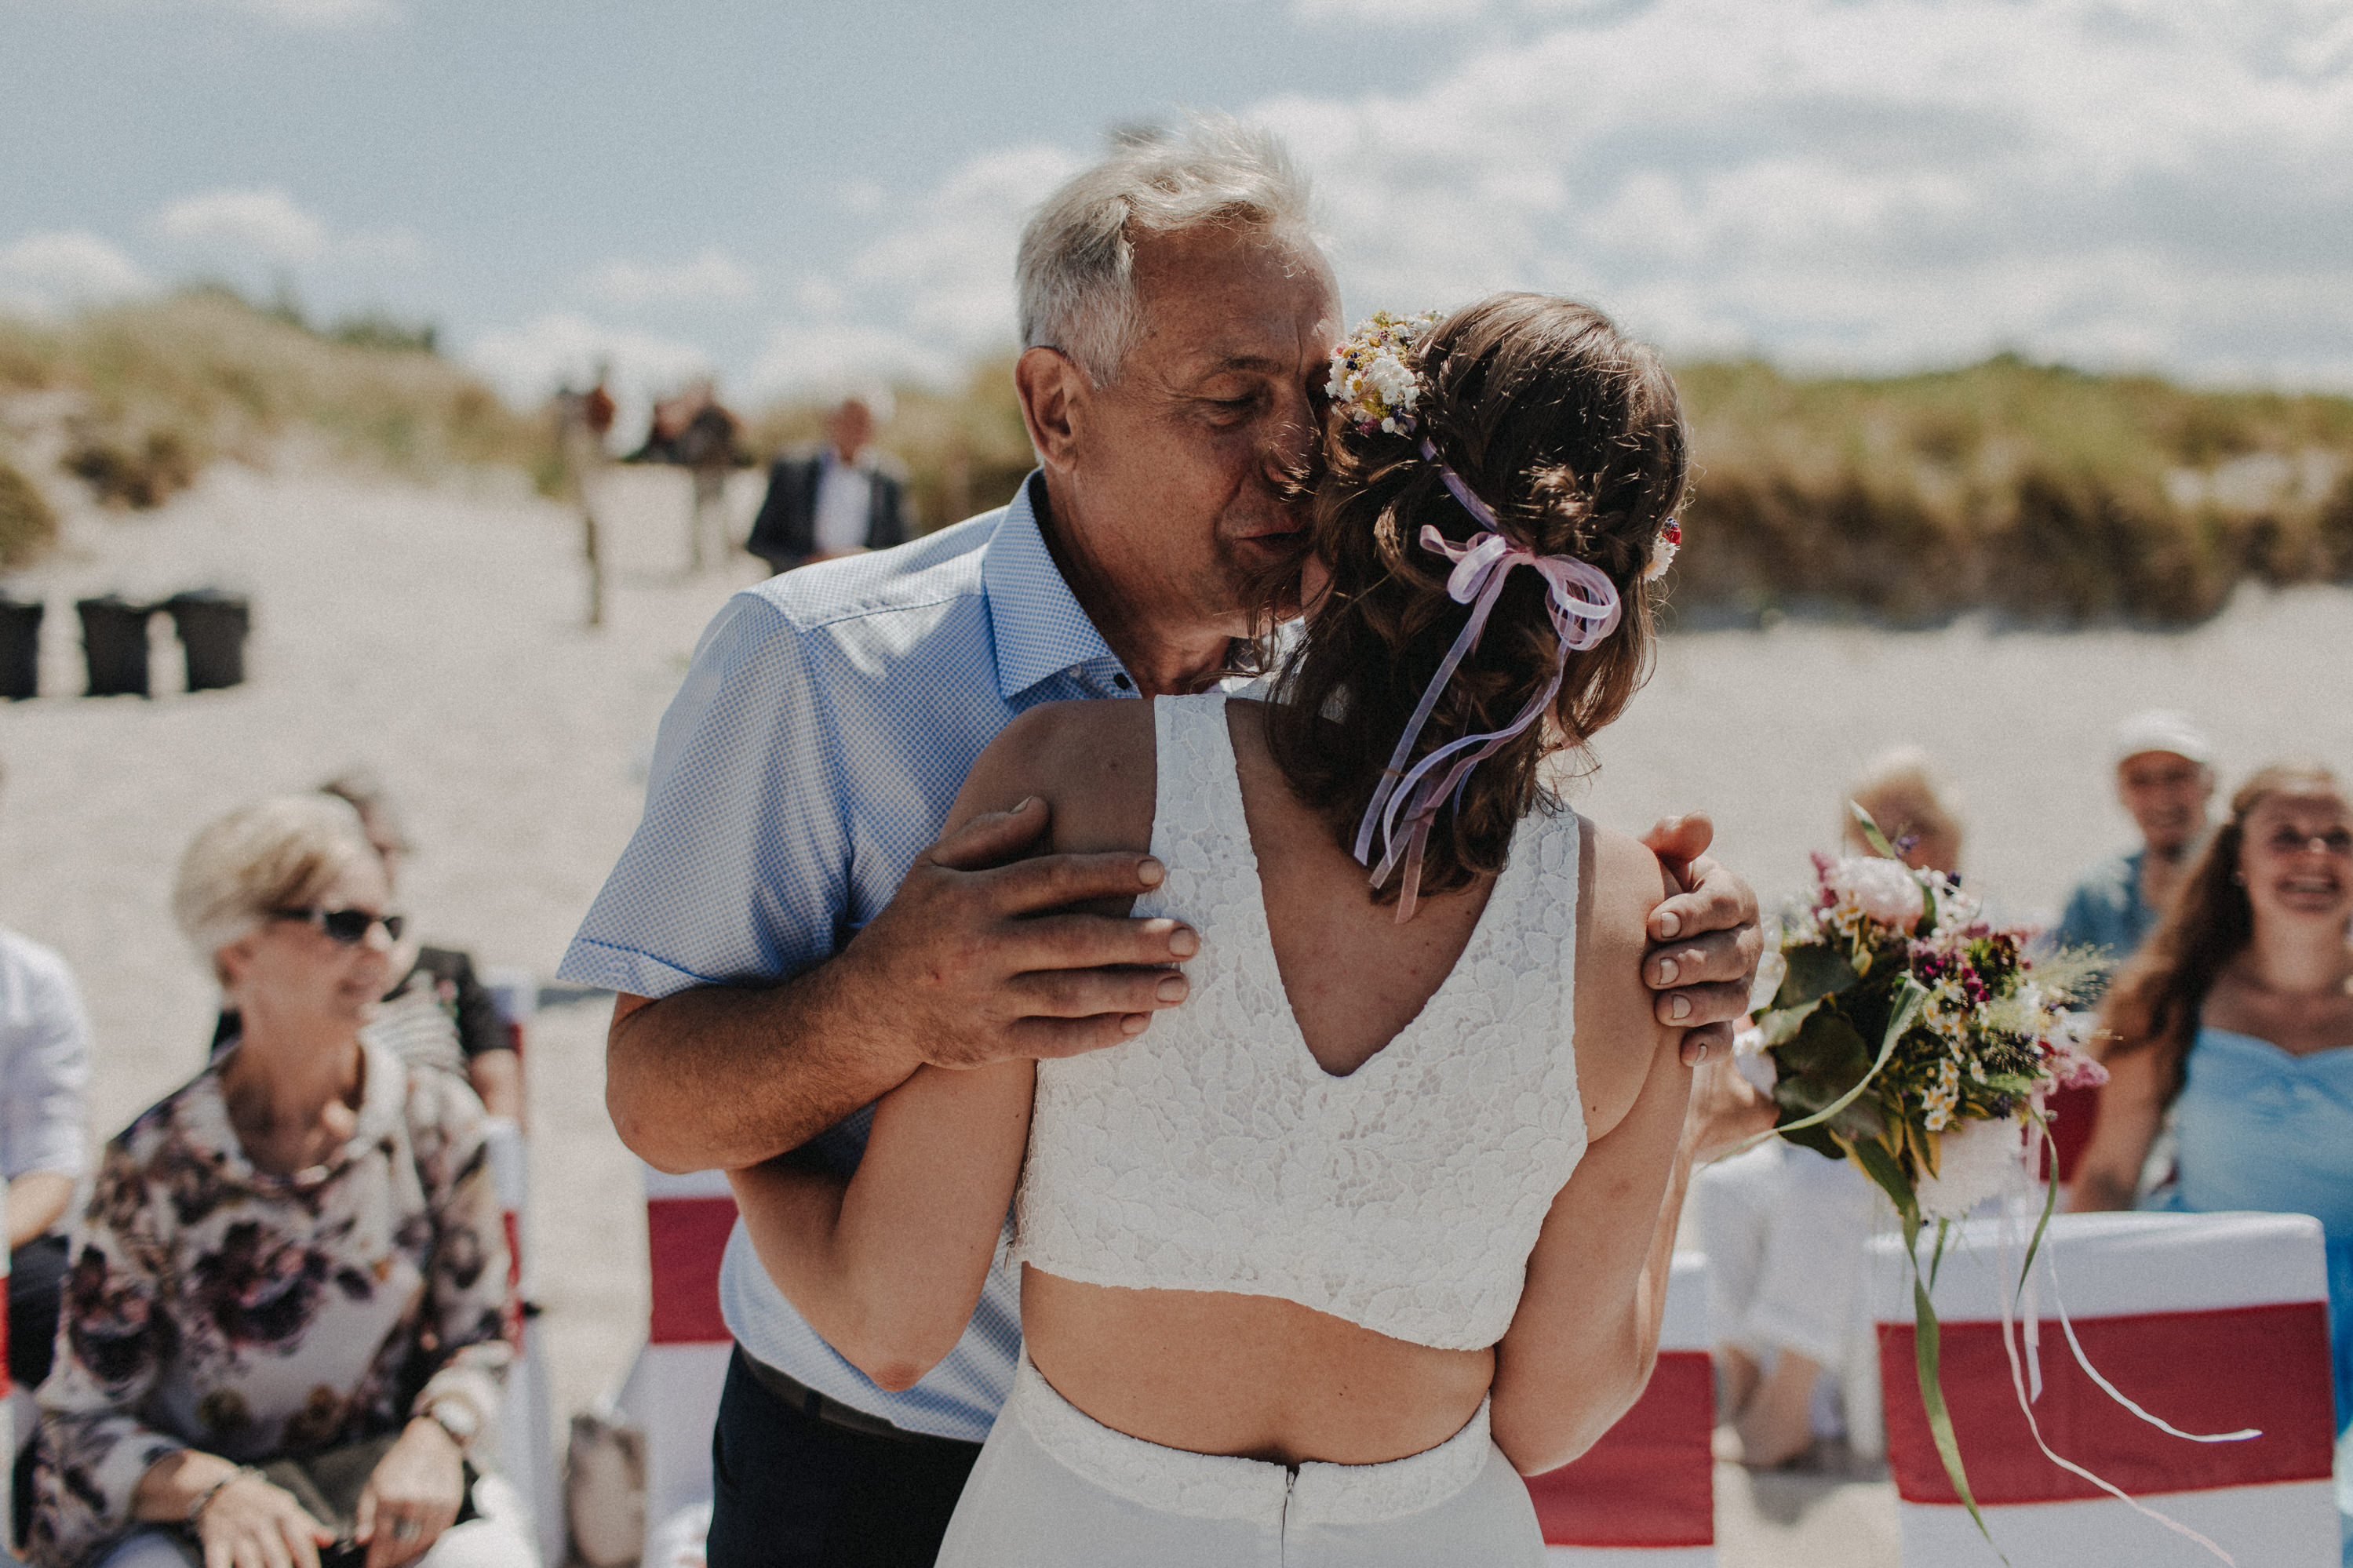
(204, 1499)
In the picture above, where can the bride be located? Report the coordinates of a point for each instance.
(1380, 1219)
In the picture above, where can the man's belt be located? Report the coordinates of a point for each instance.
(832, 1412)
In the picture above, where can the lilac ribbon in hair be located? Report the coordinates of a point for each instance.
(1481, 569)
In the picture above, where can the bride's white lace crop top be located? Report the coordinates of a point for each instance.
(1214, 1153)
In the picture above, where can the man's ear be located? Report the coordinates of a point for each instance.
(1054, 396)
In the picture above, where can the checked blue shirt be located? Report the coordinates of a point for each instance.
(820, 736)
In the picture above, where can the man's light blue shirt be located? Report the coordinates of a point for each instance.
(823, 730)
(2106, 911)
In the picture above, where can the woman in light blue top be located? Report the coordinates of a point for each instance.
(2238, 1016)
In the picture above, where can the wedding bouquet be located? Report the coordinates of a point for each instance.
(1917, 1040)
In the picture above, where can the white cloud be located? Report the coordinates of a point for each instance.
(1875, 182)
(44, 274)
(527, 364)
(713, 277)
(265, 224)
(1389, 13)
(322, 14)
(832, 359)
(930, 293)
(948, 263)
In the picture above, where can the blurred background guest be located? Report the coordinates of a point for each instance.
(295, 1260)
(1917, 811)
(44, 1072)
(2165, 778)
(2235, 1025)
(439, 1015)
(837, 500)
(1784, 1227)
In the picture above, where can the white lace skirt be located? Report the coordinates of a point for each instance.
(1055, 1488)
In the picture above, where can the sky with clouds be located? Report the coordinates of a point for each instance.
(799, 198)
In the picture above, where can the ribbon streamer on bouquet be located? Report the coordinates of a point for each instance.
(1585, 608)
(2028, 1372)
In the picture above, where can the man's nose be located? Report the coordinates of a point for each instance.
(1291, 443)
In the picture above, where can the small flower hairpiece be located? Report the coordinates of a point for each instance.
(1669, 540)
(1376, 380)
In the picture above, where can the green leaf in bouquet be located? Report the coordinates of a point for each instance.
(1871, 833)
(1820, 1062)
(1909, 995)
(1780, 1025)
(1815, 970)
(1927, 1343)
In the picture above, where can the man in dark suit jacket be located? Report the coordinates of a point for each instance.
(838, 502)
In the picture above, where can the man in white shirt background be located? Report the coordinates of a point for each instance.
(43, 1074)
(838, 500)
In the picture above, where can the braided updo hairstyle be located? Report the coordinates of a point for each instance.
(1570, 433)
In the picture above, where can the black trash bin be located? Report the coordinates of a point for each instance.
(212, 626)
(114, 645)
(20, 648)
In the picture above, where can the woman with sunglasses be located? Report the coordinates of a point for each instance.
(295, 1262)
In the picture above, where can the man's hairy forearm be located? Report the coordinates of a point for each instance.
(723, 1076)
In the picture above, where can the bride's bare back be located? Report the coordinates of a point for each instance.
(888, 1268)
(1230, 1373)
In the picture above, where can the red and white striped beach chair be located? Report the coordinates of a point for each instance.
(526, 1454)
(672, 1392)
(1644, 1496)
(2212, 1323)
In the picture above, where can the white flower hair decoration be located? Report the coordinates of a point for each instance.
(1376, 381)
(1375, 376)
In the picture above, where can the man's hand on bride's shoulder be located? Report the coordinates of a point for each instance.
(1704, 942)
(980, 957)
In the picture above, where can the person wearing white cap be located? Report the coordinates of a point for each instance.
(2165, 778)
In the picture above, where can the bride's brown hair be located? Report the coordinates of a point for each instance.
(1570, 431)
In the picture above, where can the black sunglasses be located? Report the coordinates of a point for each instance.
(349, 927)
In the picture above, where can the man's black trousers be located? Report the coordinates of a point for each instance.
(792, 1492)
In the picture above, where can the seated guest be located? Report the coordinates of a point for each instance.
(837, 500)
(1914, 807)
(440, 1014)
(295, 1261)
(2165, 778)
(44, 1070)
(2234, 1023)
(1785, 1228)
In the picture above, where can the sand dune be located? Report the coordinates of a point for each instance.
(436, 634)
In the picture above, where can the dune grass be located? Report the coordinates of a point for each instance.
(162, 388)
(2040, 493)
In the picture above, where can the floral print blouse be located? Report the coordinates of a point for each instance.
(214, 1306)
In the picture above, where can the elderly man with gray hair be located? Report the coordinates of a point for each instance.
(789, 941)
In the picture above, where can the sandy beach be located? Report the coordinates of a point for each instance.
(435, 634)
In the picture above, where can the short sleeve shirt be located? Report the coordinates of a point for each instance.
(823, 730)
(44, 1062)
(2106, 911)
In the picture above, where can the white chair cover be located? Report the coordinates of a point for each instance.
(2213, 1322)
(672, 1392)
(1644, 1497)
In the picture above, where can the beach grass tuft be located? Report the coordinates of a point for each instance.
(162, 387)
